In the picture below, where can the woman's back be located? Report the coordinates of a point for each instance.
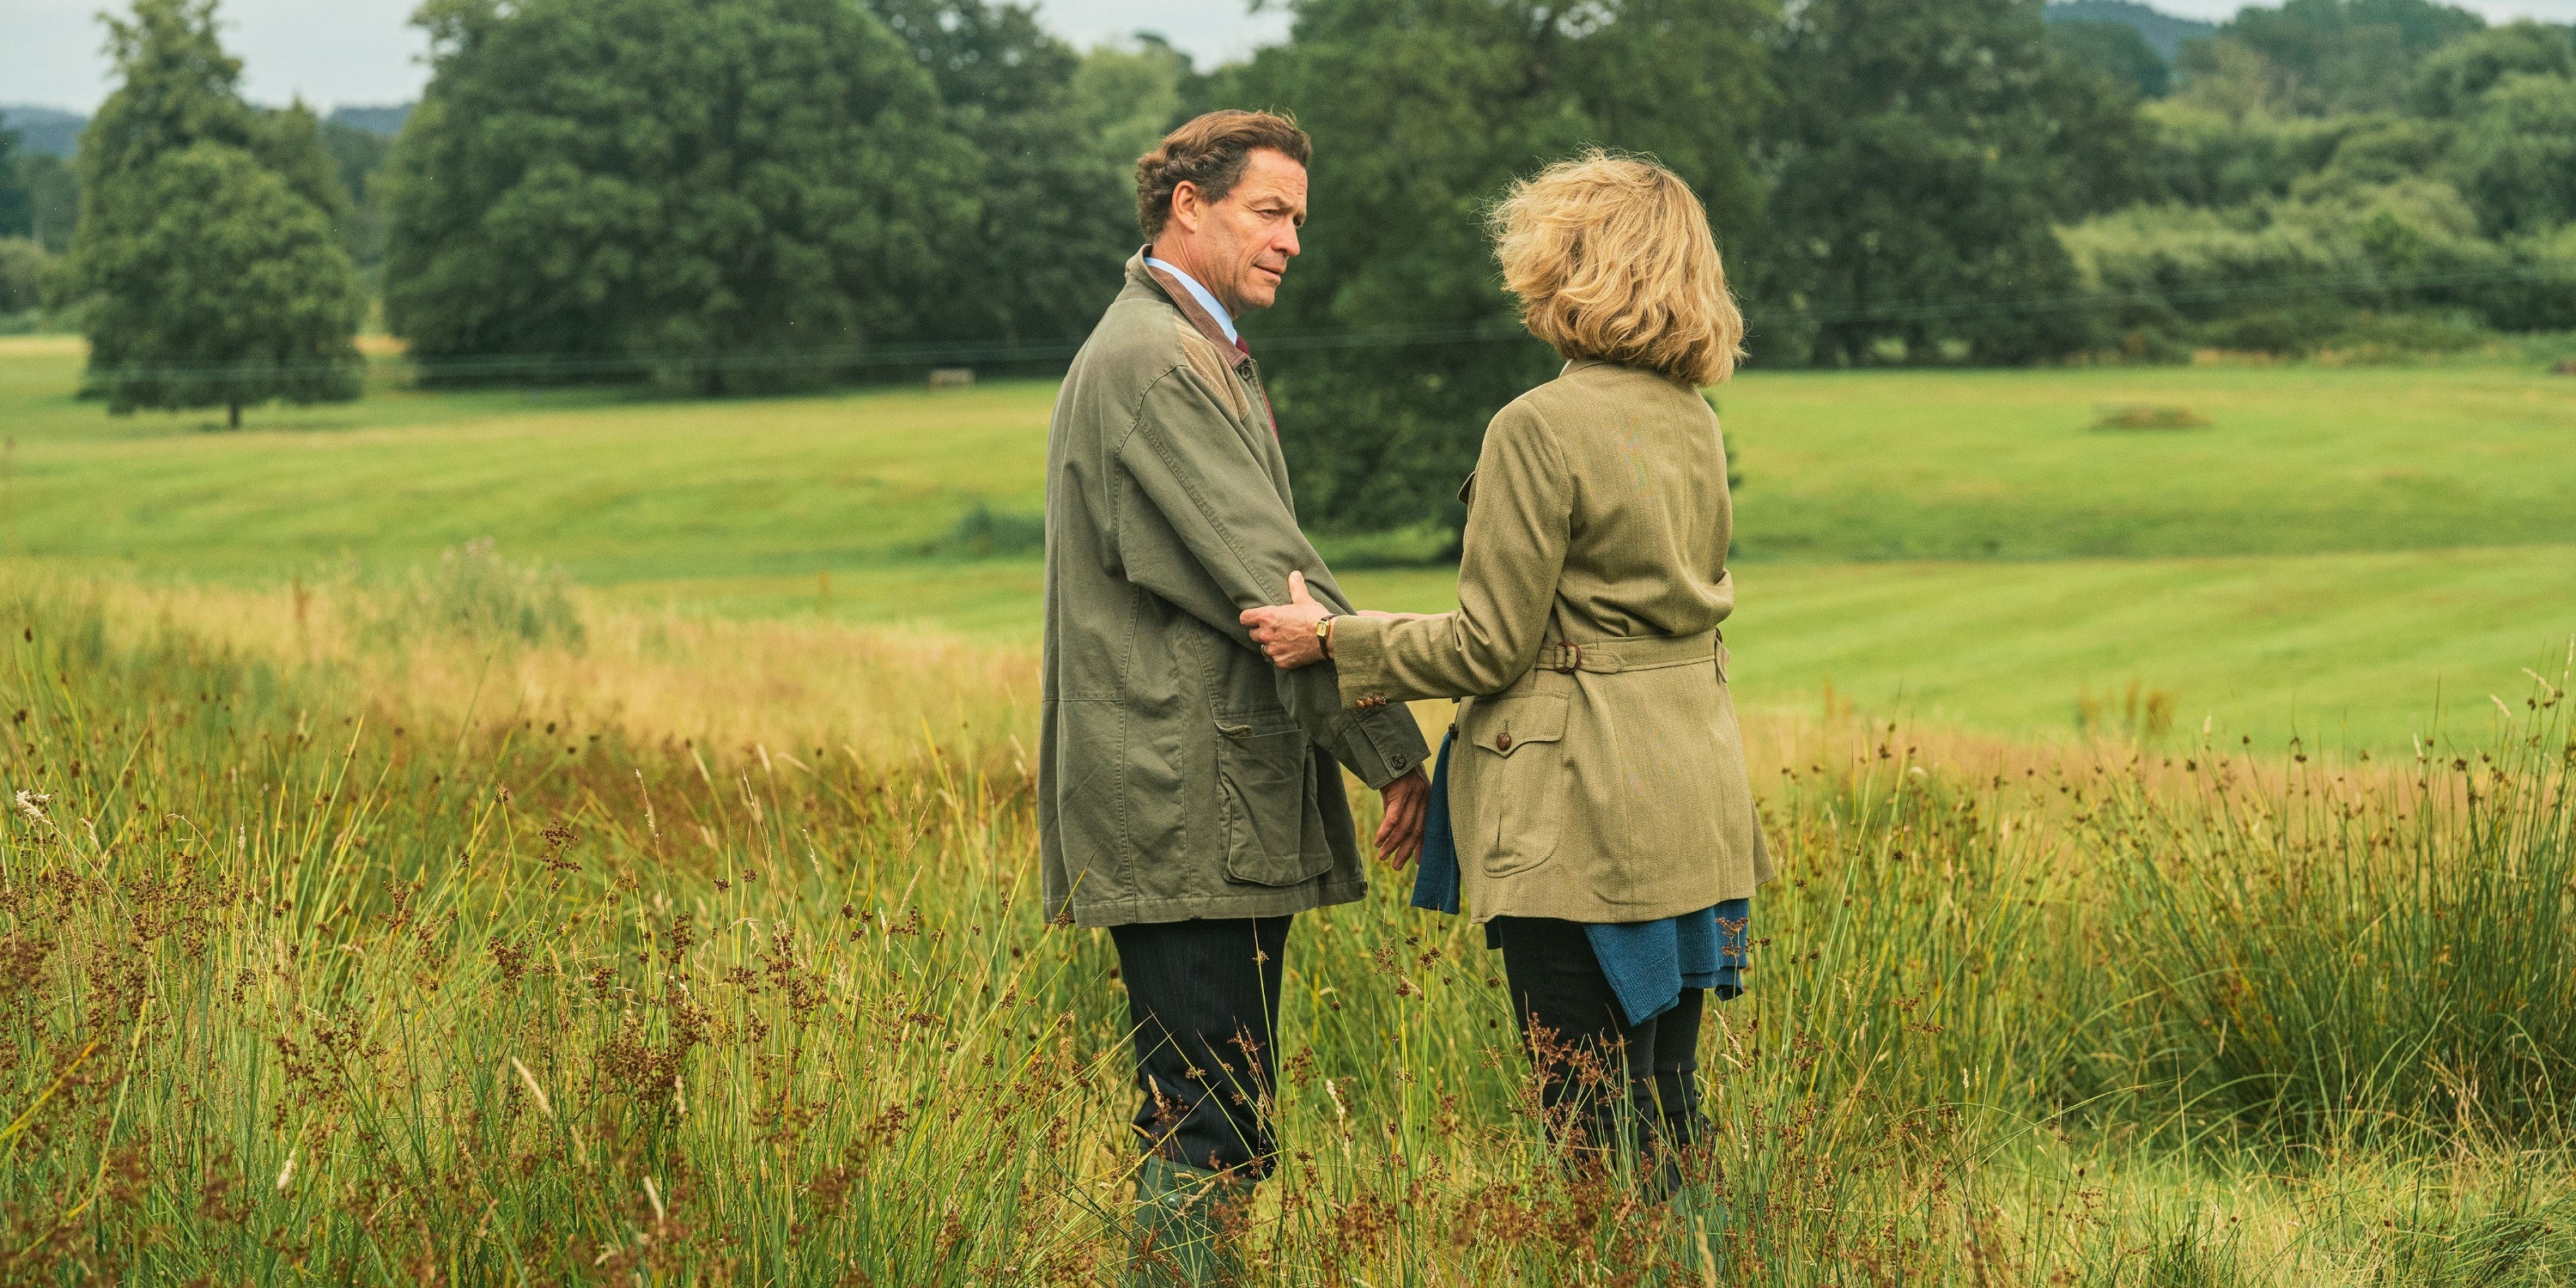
(1648, 516)
(1599, 775)
(1602, 819)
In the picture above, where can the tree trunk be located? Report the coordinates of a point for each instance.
(232, 414)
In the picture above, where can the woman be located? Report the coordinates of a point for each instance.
(1603, 820)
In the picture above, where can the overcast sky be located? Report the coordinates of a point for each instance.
(345, 52)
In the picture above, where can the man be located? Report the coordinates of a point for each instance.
(1189, 797)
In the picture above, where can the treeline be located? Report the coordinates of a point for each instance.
(1910, 183)
(40, 196)
(2363, 175)
(732, 195)
(728, 194)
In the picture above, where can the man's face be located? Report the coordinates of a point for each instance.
(1239, 248)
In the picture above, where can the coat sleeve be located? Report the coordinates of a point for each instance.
(1219, 539)
(1509, 563)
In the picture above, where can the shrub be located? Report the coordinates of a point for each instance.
(2344, 952)
(23, 266)
(2291, 275)
(986, 533)
(2147, 416)
(475, 594)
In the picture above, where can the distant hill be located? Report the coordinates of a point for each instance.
(2164, 32)
(51, 129)
(45, 129)
(383, 122)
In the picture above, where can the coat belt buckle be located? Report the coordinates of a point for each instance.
(1569, 659)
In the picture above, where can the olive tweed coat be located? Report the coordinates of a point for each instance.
(1599, 774)
(1180, 775)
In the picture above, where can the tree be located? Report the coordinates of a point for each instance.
(23, 267)
(52, 193)
(226, 288)
(1128, 99)
(2348, 55)
(2227, 77)
(2516, 159)
(2116, 50)
(1924, 154)
(1422, 112)
(210, 280)
(358, 156)
(716, 191)
(288, 140)
(2455, 75)
(17, 203)
(1040, 258)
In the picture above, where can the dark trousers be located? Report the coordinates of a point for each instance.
(1204, 999)
(1589, 1059)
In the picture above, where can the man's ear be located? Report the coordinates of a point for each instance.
(1187, 208)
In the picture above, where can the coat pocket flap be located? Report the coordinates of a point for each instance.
(1501, 724)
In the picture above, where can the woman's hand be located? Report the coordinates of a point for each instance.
(1286, 632)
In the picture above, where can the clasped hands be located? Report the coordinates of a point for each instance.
(1286, 634)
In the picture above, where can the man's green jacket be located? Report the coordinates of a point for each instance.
(1179, 774)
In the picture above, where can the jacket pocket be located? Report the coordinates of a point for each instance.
(1266, 801)
(1519, 744)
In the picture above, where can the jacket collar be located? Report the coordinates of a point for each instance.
(1179, 296)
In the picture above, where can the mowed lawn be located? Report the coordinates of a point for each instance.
(2335, 551)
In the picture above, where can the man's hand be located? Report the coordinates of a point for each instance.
(1399, 834)
(1286, 632)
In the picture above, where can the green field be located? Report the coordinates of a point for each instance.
(2336, 551)
(455, 926)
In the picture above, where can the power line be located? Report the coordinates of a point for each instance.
(2191, 294)
(892, 356)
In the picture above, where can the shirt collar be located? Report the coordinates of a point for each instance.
(1199, 293)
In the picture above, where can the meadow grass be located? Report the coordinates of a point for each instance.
(460, 928)
(2430, 501)
(1836, 465)
(380, 909)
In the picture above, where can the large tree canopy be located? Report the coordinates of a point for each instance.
(1925, 152)
(208, 263)
(713, 187)
(226, 288)
(2451, 80)
(1040, 257)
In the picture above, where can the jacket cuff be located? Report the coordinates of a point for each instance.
(1359, 662)
(1389, 737)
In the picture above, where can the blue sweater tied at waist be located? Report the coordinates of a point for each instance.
(1648, 963)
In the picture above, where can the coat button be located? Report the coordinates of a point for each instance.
(1502, 742)
(1401, 761)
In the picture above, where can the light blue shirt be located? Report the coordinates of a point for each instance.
(1199, 293)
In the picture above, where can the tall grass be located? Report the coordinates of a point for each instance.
(673, 952)
(2346, 956)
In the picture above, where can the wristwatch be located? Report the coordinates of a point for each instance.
(1324, 633)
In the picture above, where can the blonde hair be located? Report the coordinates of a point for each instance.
(1612, 258)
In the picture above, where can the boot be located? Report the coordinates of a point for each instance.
(1179, 1225)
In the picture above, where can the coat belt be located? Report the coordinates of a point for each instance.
(1636, 653)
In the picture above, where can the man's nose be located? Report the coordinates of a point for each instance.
(1286, 242)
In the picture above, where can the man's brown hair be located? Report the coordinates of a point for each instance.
(1211, 152)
